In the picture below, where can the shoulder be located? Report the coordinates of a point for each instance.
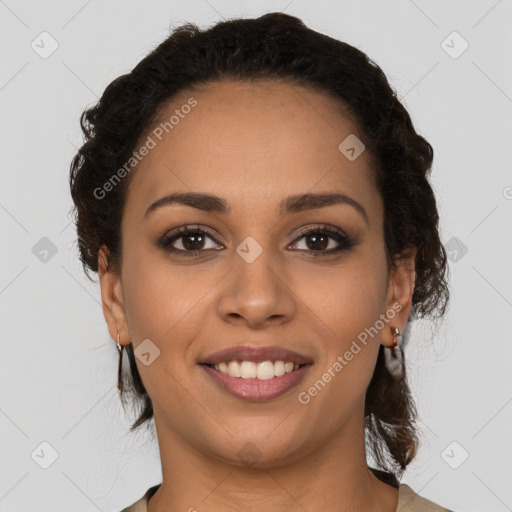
(141, 505)
(409, 501)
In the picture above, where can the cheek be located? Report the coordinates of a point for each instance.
(165, 302)
(343, 305)
(346, 302)
(345, 299)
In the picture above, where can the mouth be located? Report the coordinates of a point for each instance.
(264, 370)
(256, 373)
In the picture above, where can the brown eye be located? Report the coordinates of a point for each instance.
(192, 241)
(324, 241)
(318, 241)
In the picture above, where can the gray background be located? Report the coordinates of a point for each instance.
(58, 364)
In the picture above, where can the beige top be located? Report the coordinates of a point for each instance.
(408, 501)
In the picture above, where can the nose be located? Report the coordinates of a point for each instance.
(257, 294)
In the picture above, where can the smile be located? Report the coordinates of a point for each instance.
(264, 370)
(256, 381)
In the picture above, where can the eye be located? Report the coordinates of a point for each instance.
(191, 239)
(318, 241)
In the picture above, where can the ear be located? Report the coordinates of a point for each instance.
(112, 299)
(399, 296)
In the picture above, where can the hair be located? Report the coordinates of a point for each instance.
(276, 47)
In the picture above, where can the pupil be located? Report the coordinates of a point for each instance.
(194, 244)
(316, 244)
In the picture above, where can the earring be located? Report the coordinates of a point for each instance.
(394, 355)
(119, 346)
(397, 338)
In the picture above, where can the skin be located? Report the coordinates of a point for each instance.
(254, 145)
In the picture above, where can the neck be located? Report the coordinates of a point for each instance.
(334, 476)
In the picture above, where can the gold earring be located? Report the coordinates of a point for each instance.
(394, 355)
(397, 341)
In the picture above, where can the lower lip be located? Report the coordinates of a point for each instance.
(256, 389)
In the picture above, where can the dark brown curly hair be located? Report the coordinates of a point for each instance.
(275, 46)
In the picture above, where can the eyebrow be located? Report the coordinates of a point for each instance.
(292, 204)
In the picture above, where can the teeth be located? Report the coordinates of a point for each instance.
(249, 370)
(233, 369)
(265, 370)
(279, 368)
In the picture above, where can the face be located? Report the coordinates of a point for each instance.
(309, 278)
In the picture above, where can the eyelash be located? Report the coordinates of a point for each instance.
(345, 242)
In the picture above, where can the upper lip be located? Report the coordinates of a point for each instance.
(256, 354)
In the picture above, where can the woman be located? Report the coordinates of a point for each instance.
(255, 201)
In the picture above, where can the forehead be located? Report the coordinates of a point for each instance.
(253, 143)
